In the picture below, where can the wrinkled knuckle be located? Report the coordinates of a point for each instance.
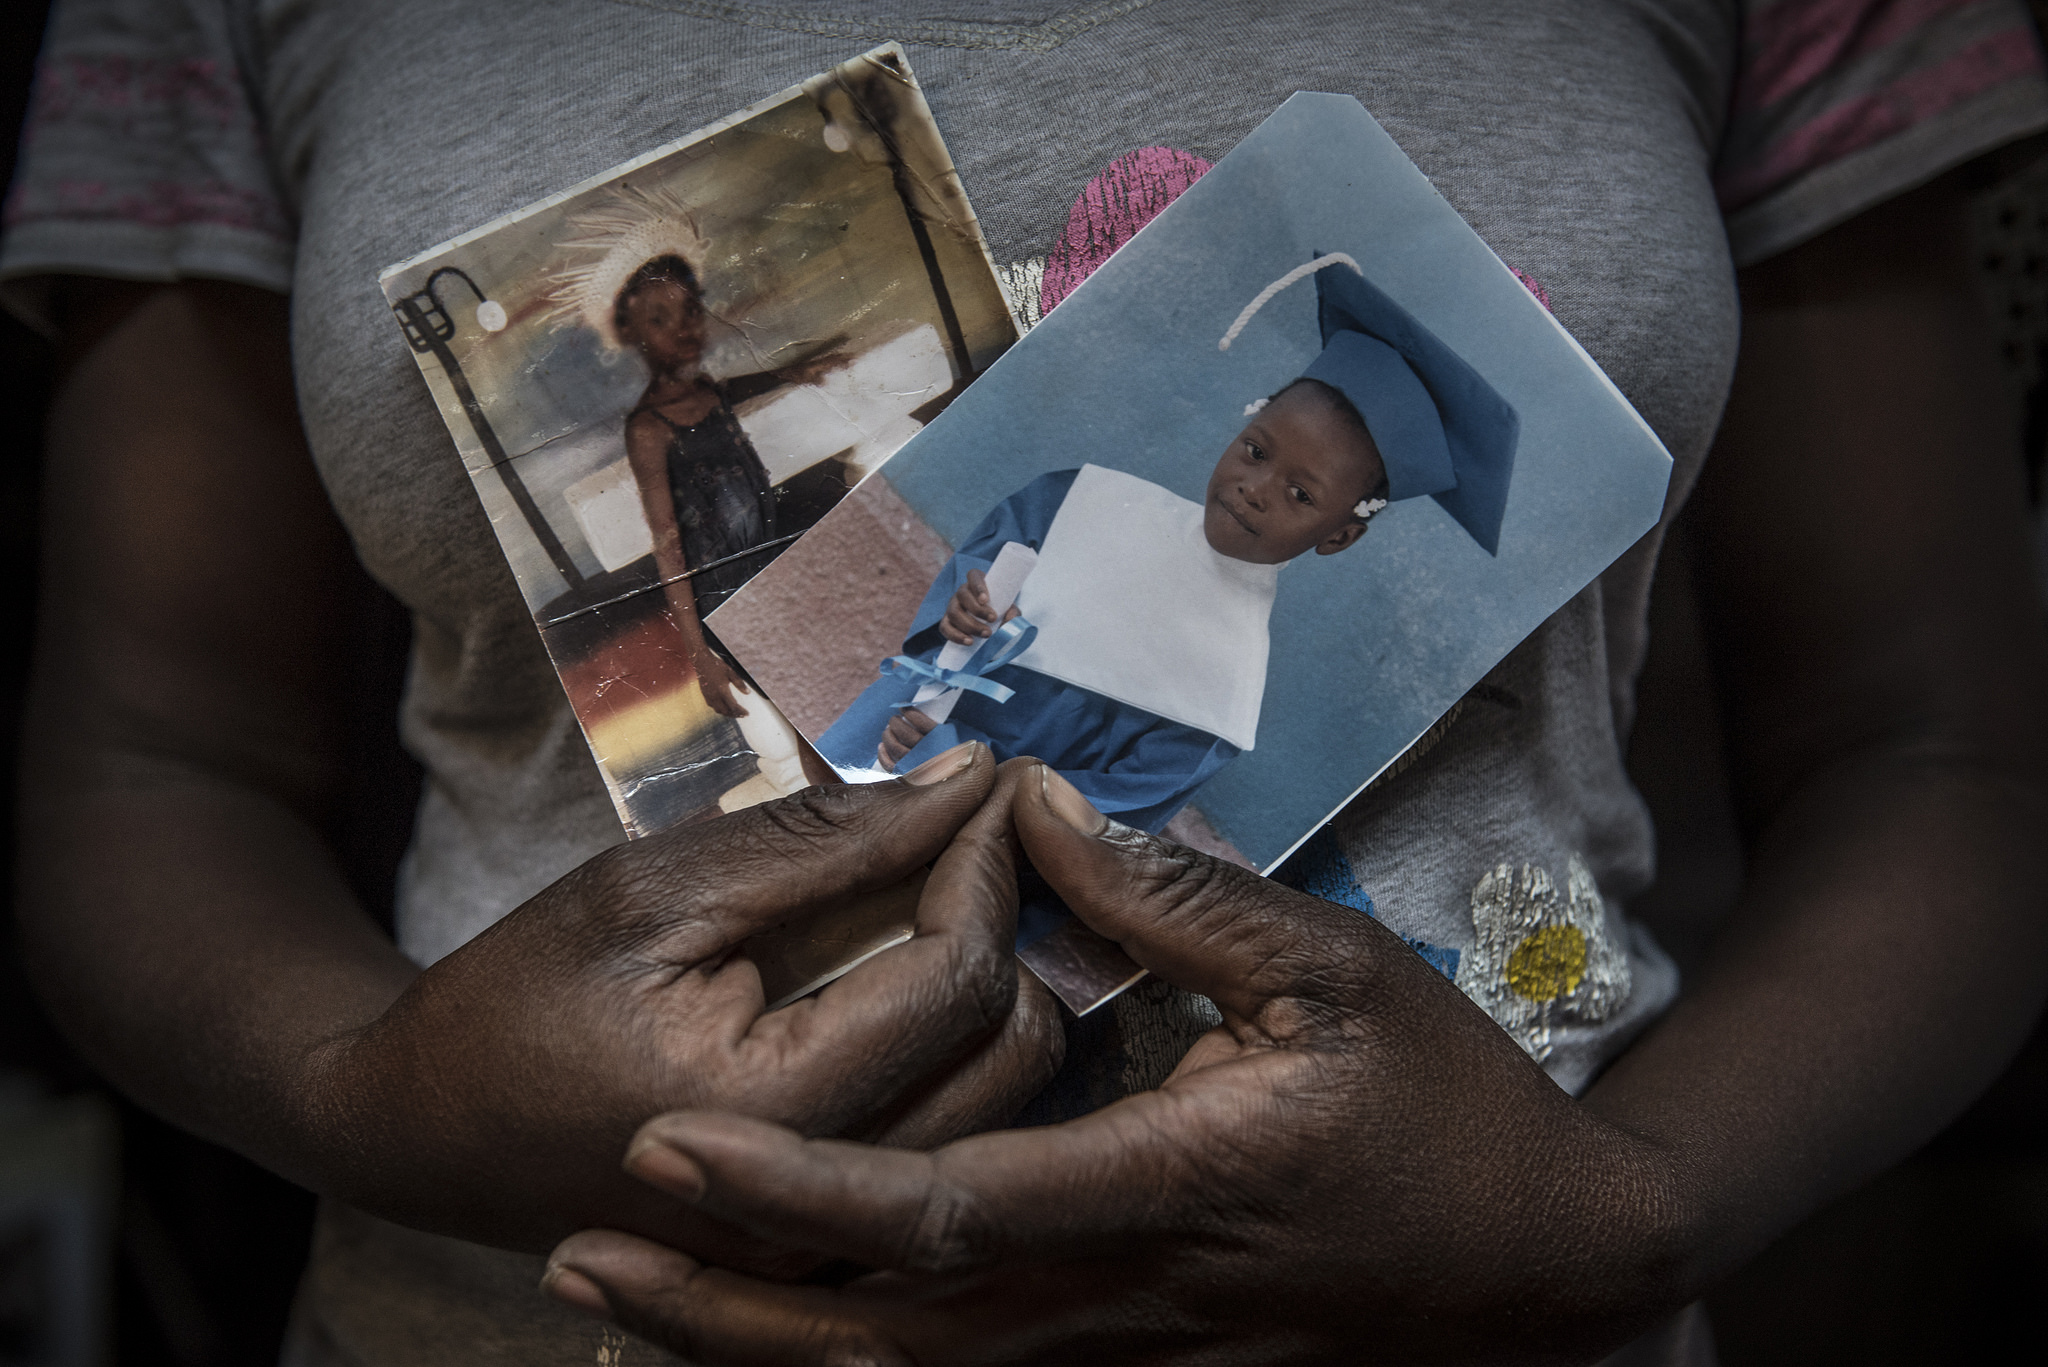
(812, 815)
(1174, 878)
(993, 866)
(975, 987)
(624, 896)
(665, 896)
(1306, 1014)
(613, 878)
(989, 974)
(1346, 980)
(1278, 961)
(1037, 1023)
(1047, 1059)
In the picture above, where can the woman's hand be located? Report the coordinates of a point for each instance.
(901, 736)
(970, 616)
(715, 679)
(188, 924)
(1357, 1165)
(493, 1099)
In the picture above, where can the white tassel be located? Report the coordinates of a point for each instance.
(1301, 272)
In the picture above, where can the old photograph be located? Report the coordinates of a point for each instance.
(661, 377)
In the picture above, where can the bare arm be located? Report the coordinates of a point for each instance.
(1869, 591)
(183, 725)
(1358, 1164)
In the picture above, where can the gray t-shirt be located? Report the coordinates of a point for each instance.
(1622, 157)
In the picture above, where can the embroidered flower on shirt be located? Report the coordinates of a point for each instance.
(1023, 285)
(1118, 200)
(1542, 957)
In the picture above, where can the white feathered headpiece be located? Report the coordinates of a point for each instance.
(608, 242)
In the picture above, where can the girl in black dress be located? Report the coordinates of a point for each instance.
(706, 494)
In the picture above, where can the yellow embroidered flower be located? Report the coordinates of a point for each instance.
(1540, 959)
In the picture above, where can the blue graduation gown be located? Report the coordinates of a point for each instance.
(1132, 764)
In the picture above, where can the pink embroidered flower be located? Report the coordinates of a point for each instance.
(1529, 283)
(1125, 196)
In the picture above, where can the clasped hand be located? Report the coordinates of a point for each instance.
(1357, 1165)
(492, 1099)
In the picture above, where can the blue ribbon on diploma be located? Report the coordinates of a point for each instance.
(1008, 641)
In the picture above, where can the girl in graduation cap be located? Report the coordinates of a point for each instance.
(1118, 631)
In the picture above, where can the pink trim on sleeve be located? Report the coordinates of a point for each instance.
(1796, 42)
(194, 87)
(1861, 122)
(155, 204)
(156, 142)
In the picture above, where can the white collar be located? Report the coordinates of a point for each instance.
(1131, 602)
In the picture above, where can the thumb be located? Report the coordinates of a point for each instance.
(1199, 922)
(695, 890)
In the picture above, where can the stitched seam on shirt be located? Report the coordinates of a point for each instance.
(929, 33)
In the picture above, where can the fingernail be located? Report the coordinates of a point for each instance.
(571, 1287)
(1067, 803)
(941, 767)
(656, 1163)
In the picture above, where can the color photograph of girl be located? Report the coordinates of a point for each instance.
(710, 507)
(1103, 623)
(660, 378)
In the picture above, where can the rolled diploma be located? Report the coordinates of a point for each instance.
(1005, 578)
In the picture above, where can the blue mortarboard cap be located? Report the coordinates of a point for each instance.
(1441, 411)
(1397, 409)
(1440, 427)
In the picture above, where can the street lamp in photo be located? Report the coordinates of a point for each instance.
(429, 327)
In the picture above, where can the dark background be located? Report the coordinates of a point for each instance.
(1943, 1259)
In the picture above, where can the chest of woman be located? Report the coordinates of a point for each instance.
(1575, 137)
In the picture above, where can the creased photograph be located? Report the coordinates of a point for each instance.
(660, 378)
(664, 376)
